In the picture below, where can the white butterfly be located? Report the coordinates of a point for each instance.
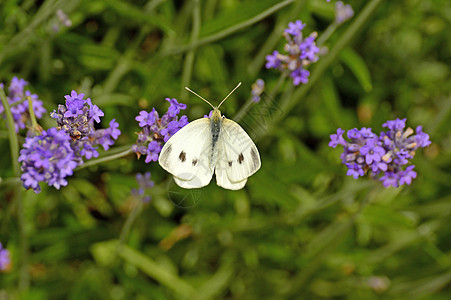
(210, 145)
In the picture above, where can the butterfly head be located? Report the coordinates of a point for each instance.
(216, 112)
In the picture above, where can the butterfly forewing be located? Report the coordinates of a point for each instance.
(186, 155)
(238, 156)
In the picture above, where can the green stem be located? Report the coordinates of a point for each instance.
(189, 60)
(24, 279)
(326, 34)
(228, 31)
(274, 37)
(34, 122)
(245, 109)
(104, 159)
(129, 222)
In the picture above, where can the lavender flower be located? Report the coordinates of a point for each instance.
(386, 154)
(257, 89)
(48, 158)
(77, 119)
(342, 12)
(144, 183)
(5, 260)
(53, 155)
(300, 52)
(18, 100)
(63, 18)
(156, 131)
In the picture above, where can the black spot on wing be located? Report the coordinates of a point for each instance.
(230, 163)
(240, 158)
(182, 156)
(254, 157)
(168, 150)
(194, 162)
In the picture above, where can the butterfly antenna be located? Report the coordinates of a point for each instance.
(237, 86)
(188, 89)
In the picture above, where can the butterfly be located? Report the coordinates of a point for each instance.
(210, 145)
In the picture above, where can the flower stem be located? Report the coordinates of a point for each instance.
(326, 34)
(24, 278)
(247, 106)
(129, 222)
(228, 31)
(34, 123)
(189, 60)
(105, 159)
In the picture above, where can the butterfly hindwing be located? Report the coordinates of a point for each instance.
(238, 157)
(186, 155)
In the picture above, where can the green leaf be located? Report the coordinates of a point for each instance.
(156, 271)
(358, 67)
(240, 13)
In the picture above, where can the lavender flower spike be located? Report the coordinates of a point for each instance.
(385, 155)
(257, 89)
(342, 12)
(77, 119)
(144, 183)
(156, 131)
(18, 99)
(5, 260)
(47, 158)
(300, 52)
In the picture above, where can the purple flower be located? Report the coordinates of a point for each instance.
(153, 150)
(209, 115)
(395, 125)
(77, 119)
(421, 138)
(300, 76)
(146, 118)
(95, 113)
(342, 12)
(300, 52)
(18, 101)
(144, 183)
(5, 260)
(337, 138)
(106, 137)
(48, 158)
(257, 89)
(74, 104)
(387, 153)
(390, 179)
(156, 131)
(355, 170)
(63, 18)
(372, 151)
(406, 176)
(273, 61)
(295, 28)
(175, 107)
(308, 48)
(114, 131)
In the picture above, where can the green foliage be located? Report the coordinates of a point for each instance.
(300, 229)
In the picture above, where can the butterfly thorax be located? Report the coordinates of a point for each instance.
(215, 121)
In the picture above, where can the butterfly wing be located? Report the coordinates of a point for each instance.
(238, 157)
(187, 154)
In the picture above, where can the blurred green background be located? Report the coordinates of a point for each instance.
(300, 229)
